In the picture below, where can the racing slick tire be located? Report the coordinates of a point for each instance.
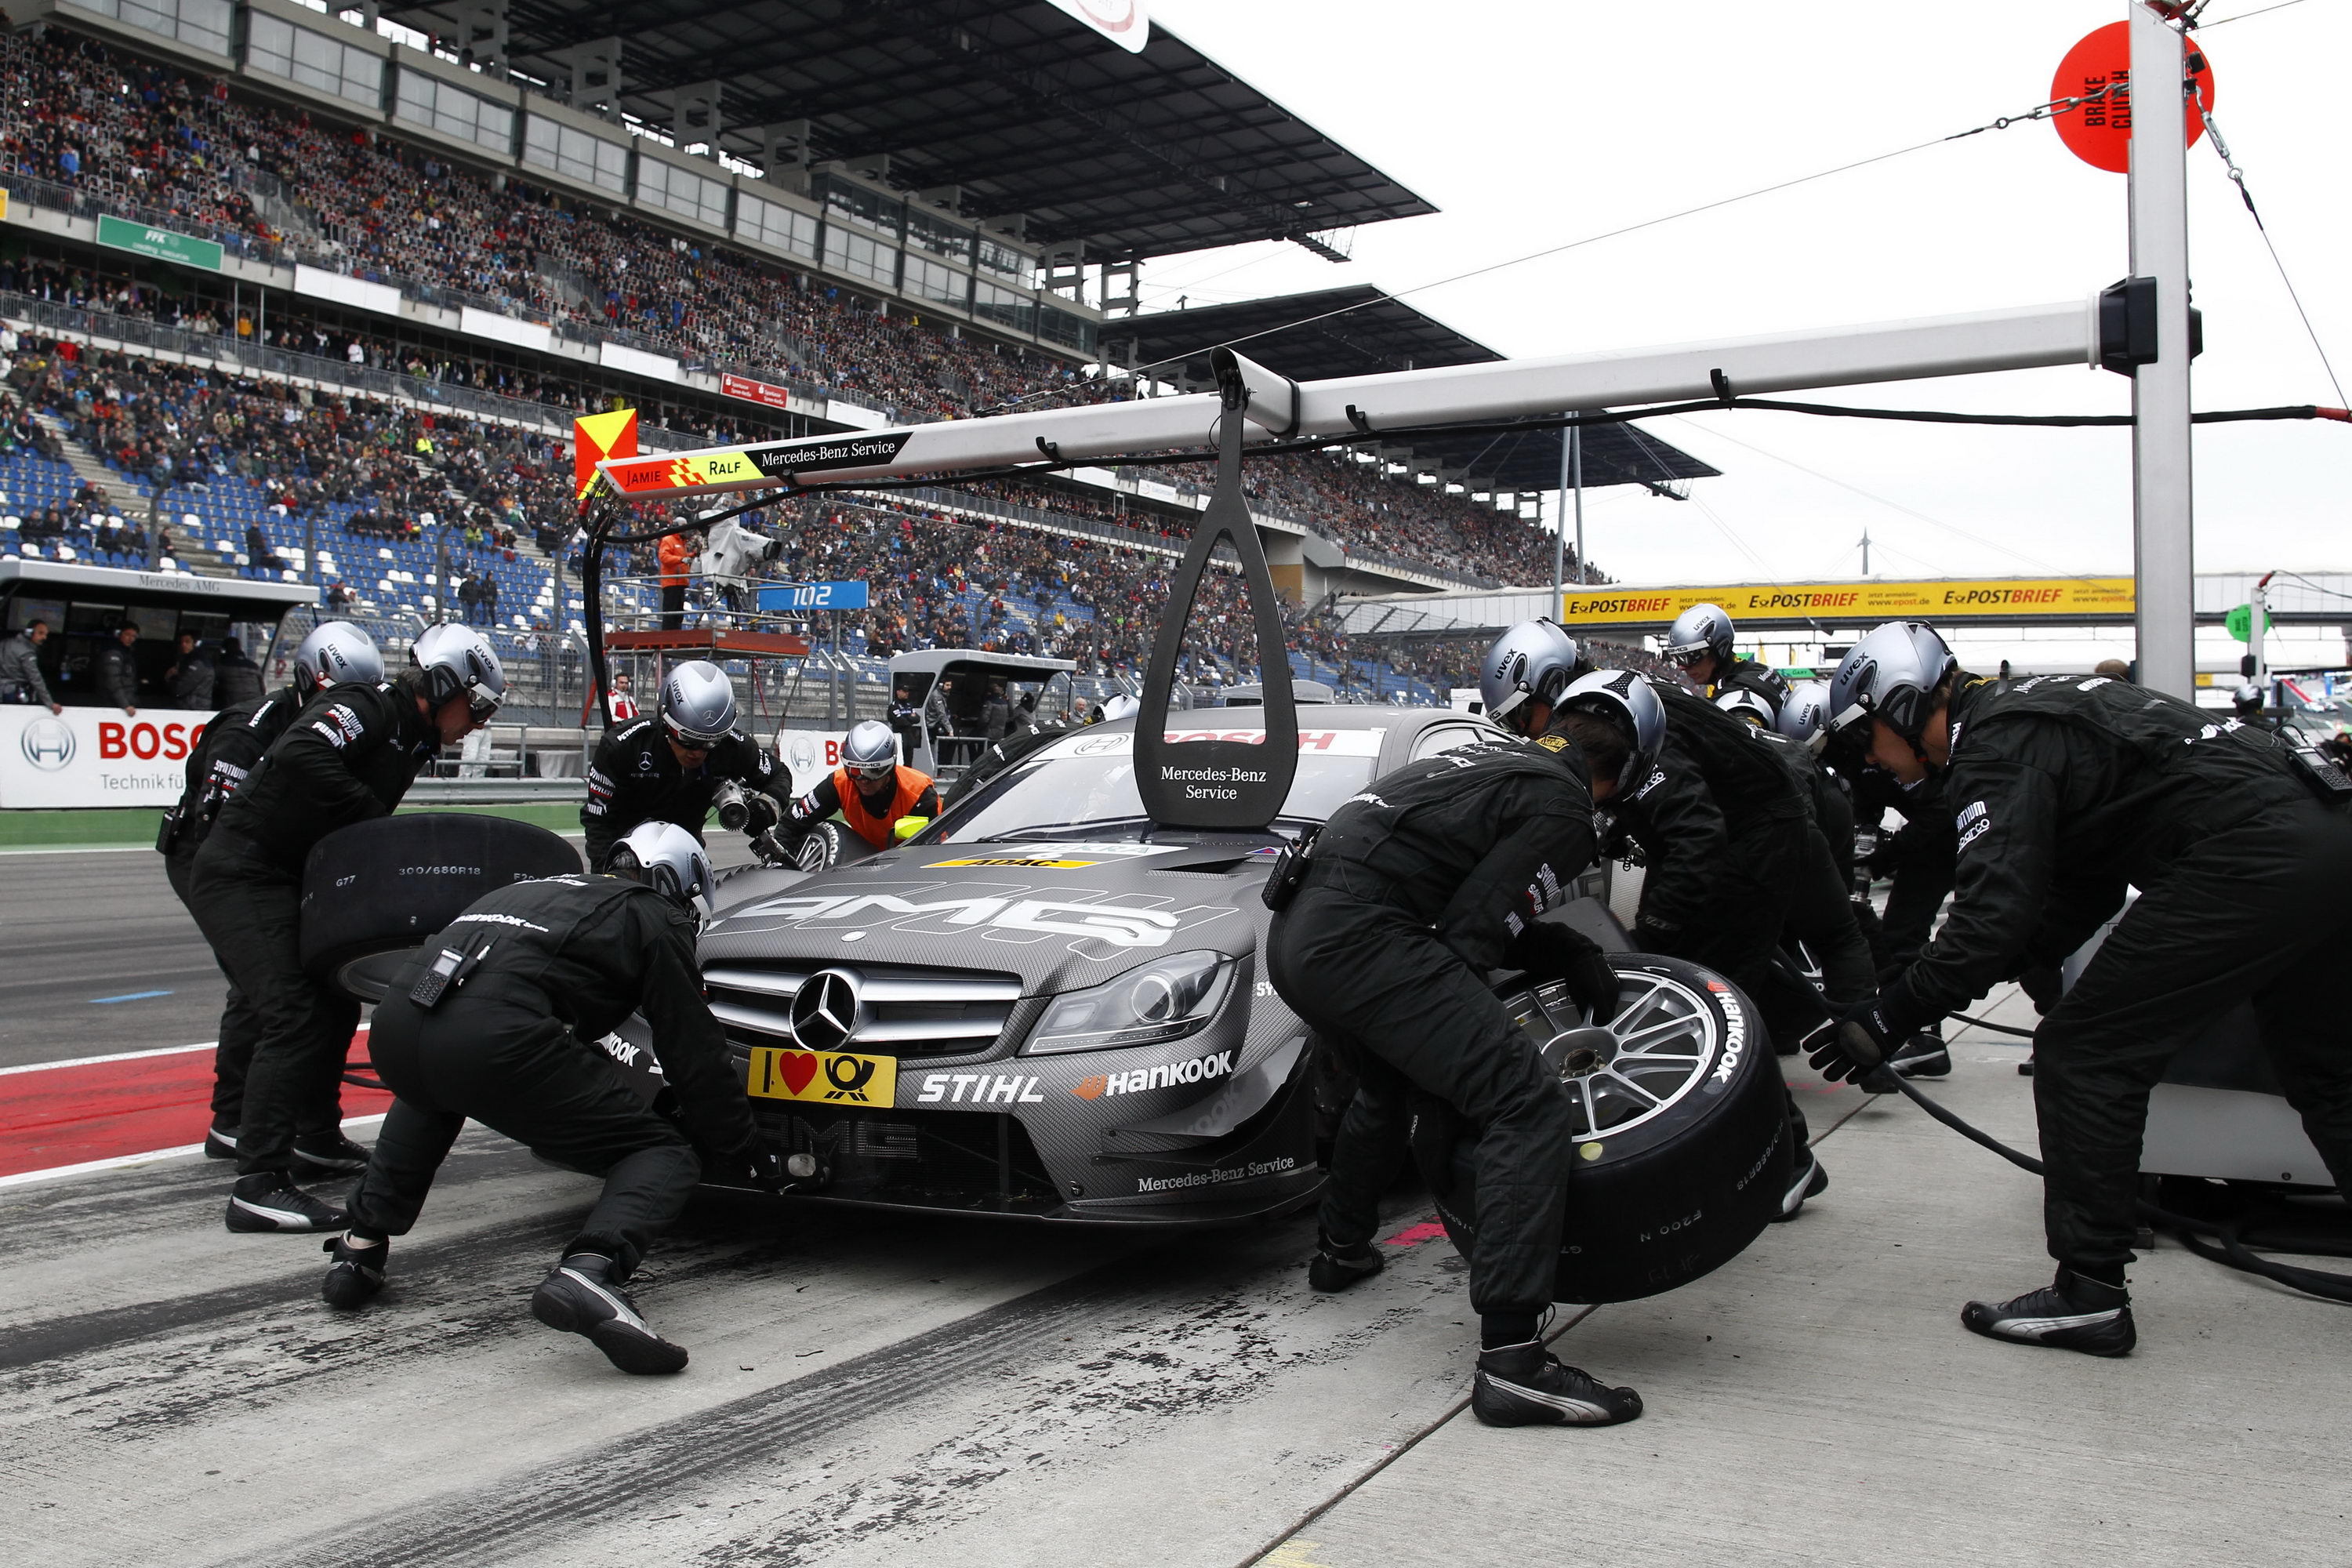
(374, 890)
(1691, 1153)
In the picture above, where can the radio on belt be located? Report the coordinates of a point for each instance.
(449, 971)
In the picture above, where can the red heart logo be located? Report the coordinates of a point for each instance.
(798, 1068)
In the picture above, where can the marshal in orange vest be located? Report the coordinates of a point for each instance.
(908, 787)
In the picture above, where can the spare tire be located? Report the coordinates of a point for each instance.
(1683, 1147)
(374, 890)
(830, 844)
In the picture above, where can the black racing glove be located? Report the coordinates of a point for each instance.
(1650, 936)
(765, 813)
(1551, 951)
(1859, 1045)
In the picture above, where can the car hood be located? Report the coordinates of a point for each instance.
(1059, 915)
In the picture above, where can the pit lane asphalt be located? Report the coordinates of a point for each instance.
(77, 925)
(872, 1390)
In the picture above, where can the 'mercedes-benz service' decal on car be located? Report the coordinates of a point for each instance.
(1274, 1166)
(1166, 1075)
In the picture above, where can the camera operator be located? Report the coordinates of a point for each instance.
(498, 1018)
(335, 654)
(347, 757)
(1432, 875)
(671, 768)
(2064, 791)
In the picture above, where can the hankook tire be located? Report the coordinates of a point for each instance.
(374, 890)
(1684, 1148)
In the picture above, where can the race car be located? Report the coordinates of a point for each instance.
(1043, 1006)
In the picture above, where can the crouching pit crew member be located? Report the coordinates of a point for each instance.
(349, 757)
(1414, 888)
(2064, 791)
(335, 654)
(496, 1019)
(871, 792)
(669, 769)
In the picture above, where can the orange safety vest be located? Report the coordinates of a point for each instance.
(876, 830)
(674, 560)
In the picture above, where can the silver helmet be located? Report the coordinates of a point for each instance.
(336, 653)
(869, 751)
(1627, 700)
(697, 704)
(1745, 705)
(1701, 629)
(668, 860)
(1533, 662)
(1804, 717)
(430, 637)
(1891, 674)
(461, 660)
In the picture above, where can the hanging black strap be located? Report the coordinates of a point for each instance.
(1219, 784)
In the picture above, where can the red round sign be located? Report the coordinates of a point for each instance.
(2099, 133)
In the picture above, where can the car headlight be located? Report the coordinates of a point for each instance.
(1165, 1000)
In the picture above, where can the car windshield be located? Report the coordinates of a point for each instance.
(1088, 793)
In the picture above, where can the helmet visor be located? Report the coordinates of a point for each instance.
(870, 773)
(692, 740)
(1684, 658)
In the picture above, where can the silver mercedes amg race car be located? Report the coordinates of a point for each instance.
(1041, 1006)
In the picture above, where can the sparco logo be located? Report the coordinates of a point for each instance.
(48, 745)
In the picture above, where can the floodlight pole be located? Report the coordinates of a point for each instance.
(1576, 477)
(1559, 520)
(2163, 536)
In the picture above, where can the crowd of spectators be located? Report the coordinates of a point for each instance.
(92, 117)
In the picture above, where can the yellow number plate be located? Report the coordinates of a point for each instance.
(822, 1078)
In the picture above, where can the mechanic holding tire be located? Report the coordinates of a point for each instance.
(871, 792)
(336, 653)
(347, 757)
(2063, 791)
(495, 1018)
(1416, 888)
(670, 768)
(1729, 842)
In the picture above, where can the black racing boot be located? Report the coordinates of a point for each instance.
(269, 1200)
(319, 1156)
(357, 1273)
(1809, 1180)
(220, 1143)
(1336, 1267)
(1527, 1385)
(582, 1297)
(2073, 1313)
(1922, 1055)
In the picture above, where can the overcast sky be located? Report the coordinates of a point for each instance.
(1530, 124)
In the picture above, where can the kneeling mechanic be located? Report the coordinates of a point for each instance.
(496, 1019)
(1435, 874)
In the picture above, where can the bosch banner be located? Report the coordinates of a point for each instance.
(1754, 605)
(95, 756)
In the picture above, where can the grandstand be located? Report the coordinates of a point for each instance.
(321, 304)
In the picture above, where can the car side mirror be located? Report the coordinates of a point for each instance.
(906, 827)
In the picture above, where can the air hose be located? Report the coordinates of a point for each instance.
(2226, 1248)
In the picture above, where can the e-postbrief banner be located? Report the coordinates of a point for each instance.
(1997, 599)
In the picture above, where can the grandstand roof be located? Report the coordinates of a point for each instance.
(1361, 330)
(1023, 107)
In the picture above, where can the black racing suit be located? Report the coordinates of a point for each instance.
(1416, 888)
(1746, 674)
(1918, 858)
(218, 765)
(2063, 791)
(517, 1047)
(347, 757)
(1729, 842)
(637, 778)
(1821, 913)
